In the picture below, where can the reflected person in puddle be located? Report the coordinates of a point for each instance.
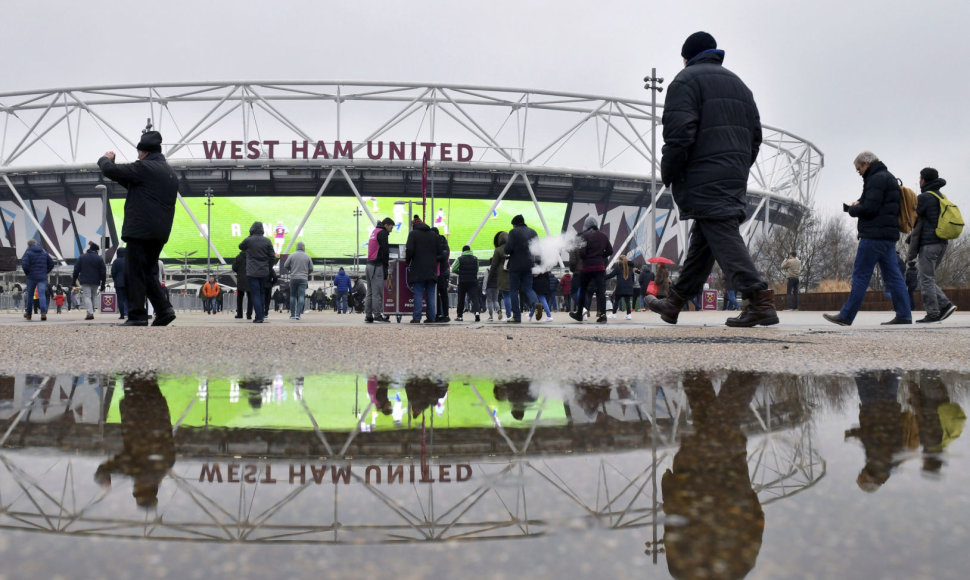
(517, 393)
(880, 427)
(423, 394)
(714, 521)
(149, 447)
(939, 421)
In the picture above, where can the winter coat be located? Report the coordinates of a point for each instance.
(597, 249)
(210, 290)
(118, 269)
(624, 286)
(90, 269)
(152, 191)
(540, 284)
(444, 254)
(378, 250)
(298, 265)
(517, 248)
(421, 253)
(712, 133)
(646, 277)
(496, 265)
(36, 263)
(260, 255)
(878, 208)
(466, 266)
(566, 282)
(342, 281)
(239, 267)
(927, 216)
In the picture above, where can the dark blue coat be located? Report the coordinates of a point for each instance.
(36, 263)
(90, 269)
(342, 281)
(517, 249)
(878, 208)
(152, 192)
(118, 269)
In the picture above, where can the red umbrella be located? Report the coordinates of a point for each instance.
(660, 260)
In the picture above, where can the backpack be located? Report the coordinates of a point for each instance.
(950, 223)
(907, 208)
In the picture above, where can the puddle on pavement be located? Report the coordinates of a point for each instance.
(720, 472)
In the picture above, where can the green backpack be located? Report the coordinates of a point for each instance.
(951, 221)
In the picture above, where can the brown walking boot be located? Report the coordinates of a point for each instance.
(760, 310)
(668, 308)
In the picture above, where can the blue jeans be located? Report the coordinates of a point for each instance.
(342, 302)
(122, 301)
(297, 296)
(257, 293)
(507, 301)
(426, 290)
(870, 253)
(523, 279)
(41, 286)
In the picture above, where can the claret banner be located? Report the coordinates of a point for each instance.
(390, 150)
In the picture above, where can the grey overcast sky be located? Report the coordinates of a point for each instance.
(889, 76)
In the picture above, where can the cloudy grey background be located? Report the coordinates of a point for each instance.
(887, 76)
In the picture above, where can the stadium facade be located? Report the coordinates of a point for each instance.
(322, 161)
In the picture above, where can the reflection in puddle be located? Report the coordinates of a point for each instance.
(691, 460)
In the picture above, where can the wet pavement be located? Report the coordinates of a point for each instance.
(687, 473)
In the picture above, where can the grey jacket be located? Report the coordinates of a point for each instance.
(298, 265)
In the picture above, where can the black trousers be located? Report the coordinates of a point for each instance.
(442, 295)
(599, 279)
(240, 294)
(141, 274)
(718, 241)
(471, 289)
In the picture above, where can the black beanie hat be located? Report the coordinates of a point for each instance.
(151, 141)
(697, 43)
(93, 246)
(518, 220)
(929, 174)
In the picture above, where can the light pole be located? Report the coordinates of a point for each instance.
(653, 85)
(103, 189)
(208, 229)
(357, 214)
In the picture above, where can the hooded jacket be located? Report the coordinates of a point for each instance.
(239, 267)
(496, 267)
(90, 269)
(878, 208)
(596, 250)
(421, 253)
(341, 281)
(927, 216)
(118, 268)
(260, 255)
(712, 134)
(152, 191)
(36, 263)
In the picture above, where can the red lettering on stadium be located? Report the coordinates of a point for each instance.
(391, 150)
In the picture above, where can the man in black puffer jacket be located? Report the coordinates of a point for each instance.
(149, 212)
(878, 214)
(930, 248)
(712, 133)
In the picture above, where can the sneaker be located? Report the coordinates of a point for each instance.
(164, 318)
(382, 320)
(549, 318)
(576, 316)
(836, 319)
(369, 319)
(490, 319)
(513, 321)
(88, 317)
(459, 319)
(478, 318)
(413, 321)
(601, 319)
(946, 312)
(629, 317)
(928, 318)
(296, 318)
(44, 317)
(897, 320)
(611, 315)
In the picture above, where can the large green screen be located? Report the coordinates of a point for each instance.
(332, 230)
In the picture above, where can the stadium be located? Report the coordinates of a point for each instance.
(321, 161)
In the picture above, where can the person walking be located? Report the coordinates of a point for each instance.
(260, 259)
(791, 267)
(299, 266)
(36, 264)
(498, 270)
(712, 134)
(342, 282)
(566, 284)
(878, 214)
(593, 255)
(242, 286)
(520, 263)
(118, 277)
(421, 255)
(623, 272)
(466, 266)
(18, 294)
(149, 212)
(376, 272)
(927, 249)
(91, 273)
(210, 290)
